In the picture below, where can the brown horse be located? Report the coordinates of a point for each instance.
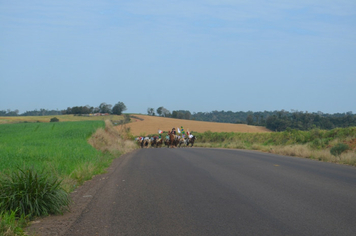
(171, 139)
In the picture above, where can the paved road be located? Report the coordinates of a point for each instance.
(195, 191)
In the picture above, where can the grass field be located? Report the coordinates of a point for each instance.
(60, 148)
(62, 118)
(146, 125)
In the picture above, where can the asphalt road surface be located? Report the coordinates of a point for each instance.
(196, 191)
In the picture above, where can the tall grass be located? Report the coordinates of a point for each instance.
(32, 193)
(314, 144)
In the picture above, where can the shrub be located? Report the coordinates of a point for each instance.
(338, 149)
(32, 193)
(54, 119)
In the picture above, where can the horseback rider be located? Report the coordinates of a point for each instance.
(183, 132)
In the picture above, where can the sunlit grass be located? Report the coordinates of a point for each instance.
(314, 144)
(59, 147)
(62, 118)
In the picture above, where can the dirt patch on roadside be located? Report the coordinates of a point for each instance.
(151, 124)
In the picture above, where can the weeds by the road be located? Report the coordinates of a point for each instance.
(337, 145)
(11, 225)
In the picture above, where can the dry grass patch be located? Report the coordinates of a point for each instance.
(277, 143)
(292, 150)
(111, 140)
(348, 158)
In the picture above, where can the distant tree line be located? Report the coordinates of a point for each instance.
(161, 111)
(8, 112)
(281, 120)
(239, 117)
(41, 112)
(117, 109)
(306, 121)
(273, 120)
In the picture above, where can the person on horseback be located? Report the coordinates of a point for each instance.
(172, 137)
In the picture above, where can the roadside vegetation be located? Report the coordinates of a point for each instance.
(41, 163)
(12, 225)
(337, 145)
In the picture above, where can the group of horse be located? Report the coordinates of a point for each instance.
(171, 140)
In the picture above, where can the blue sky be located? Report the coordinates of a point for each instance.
(184, 55)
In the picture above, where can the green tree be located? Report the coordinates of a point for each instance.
(249, 119)
(166, 113)
(105, 108)
(187, 115)
(119, 108)
(159, 111)
(151, 111)
(180, 115)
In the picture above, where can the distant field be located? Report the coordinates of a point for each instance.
(145, 124)
(60, 146)
(151, 125)
(21, 119)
